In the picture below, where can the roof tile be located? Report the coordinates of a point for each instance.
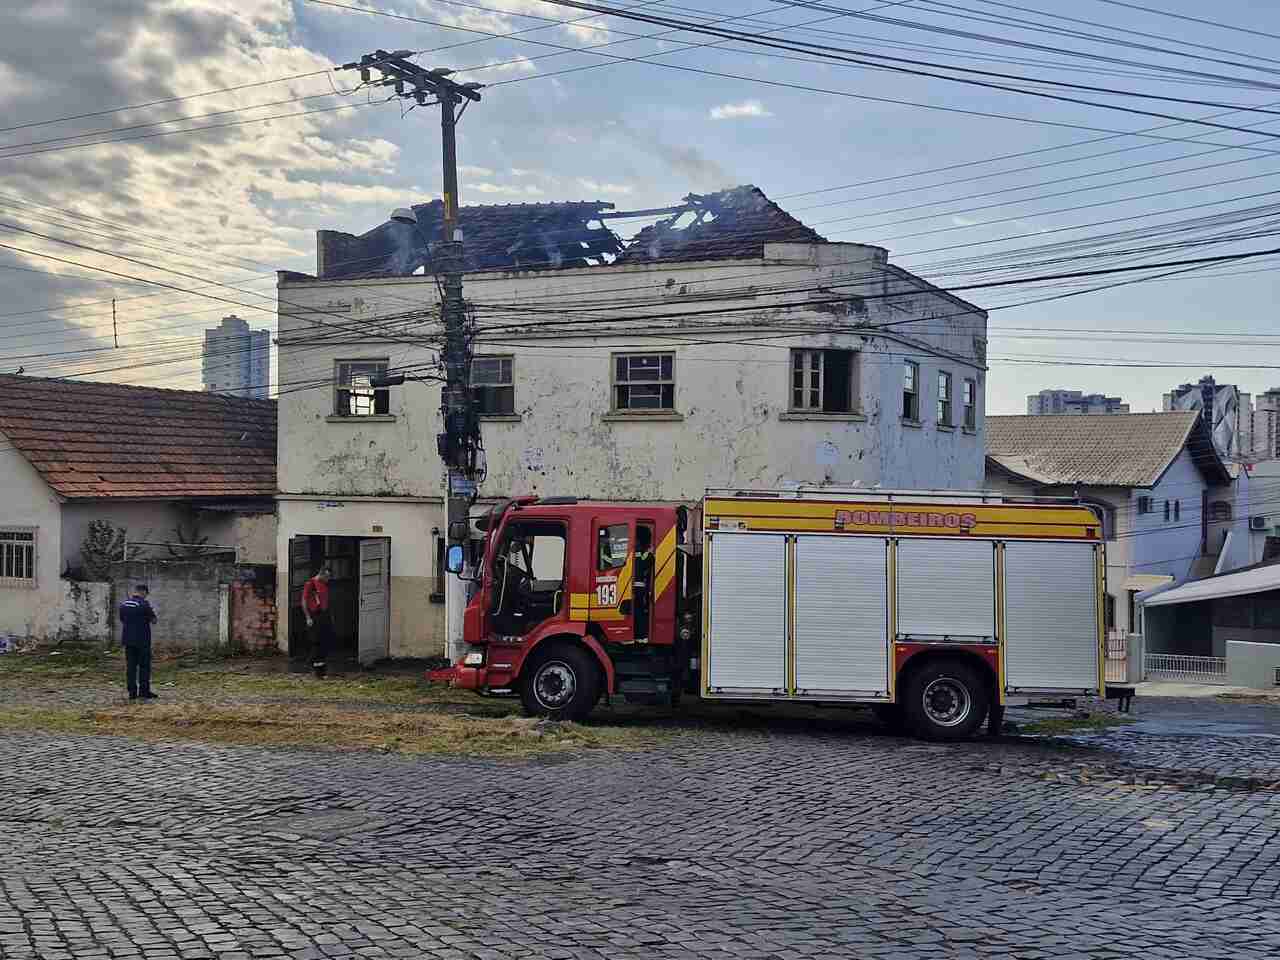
(108, 440)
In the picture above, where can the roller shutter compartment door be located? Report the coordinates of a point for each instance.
(946, 590)
(748, 640)
(1051, 616)
(842, 616)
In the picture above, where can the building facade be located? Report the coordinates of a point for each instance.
(1265, 421)
(1048, 402)
(1227, 412)
(771, 364)
(237, 360)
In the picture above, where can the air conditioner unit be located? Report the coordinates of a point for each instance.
(1257, 523)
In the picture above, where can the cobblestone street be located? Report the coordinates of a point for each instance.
(771, 839)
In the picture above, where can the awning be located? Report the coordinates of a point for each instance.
(1258, 580)
(1146, 581)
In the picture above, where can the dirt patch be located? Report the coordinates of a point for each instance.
(1051, 726)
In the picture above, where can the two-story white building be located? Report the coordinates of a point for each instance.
(727, 345)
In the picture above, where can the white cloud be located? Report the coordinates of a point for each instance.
(595, 186)
(739, 111)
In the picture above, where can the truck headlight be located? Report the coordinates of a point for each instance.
(474, 659)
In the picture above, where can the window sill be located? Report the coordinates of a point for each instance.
(370, 418)
(500, 418)
(817, 415)
(913, 424)
(17, 584)
(947, 427)
(637, 416)
(971, 431)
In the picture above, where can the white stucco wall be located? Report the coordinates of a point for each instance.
(141, 520)
(29, 502)
(1169, 548)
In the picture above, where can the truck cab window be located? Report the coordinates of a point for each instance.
(528, 576)
(615, 544)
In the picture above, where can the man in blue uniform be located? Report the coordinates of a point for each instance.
(136, 617)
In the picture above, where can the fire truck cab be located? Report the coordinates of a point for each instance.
(933, 608)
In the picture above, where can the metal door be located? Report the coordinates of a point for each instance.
(375, 600)
(946, 590)
(747, 644)
(842, 616)
(301, 567)
(1051, 616)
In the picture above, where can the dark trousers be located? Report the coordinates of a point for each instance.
(321, 640)
(137, 668)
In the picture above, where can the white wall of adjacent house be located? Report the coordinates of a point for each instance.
(724, 408)
(30, 520)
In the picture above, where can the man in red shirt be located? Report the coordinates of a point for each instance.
(315, 607)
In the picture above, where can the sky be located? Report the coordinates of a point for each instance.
(861, 153)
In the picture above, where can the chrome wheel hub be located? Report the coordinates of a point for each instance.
(555, 684)
(947, 702)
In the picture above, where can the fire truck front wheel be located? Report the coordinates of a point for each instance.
(945, 699)
(562, 682)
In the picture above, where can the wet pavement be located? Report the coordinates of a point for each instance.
(779, 839)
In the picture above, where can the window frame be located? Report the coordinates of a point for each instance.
(912, 367)
(11, 534)
(341, 387)
(969, 404)
(1146, 504)
(808, 357)
(1166, 511)
(615, 384)
(605, 527)
(510, 384)
(945, 404)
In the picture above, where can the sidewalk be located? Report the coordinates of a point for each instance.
(1183, 690)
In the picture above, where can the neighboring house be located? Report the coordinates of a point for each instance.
(726, 345)
(1167, 500)
(1262, 507)
(149, 461)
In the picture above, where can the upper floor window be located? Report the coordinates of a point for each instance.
(354, 392)
(944, 399)
(910, 390)
(1220, 511)
(1177, 509)
(824, 381)
(17, 557)
(970, 401)
(1166, 511)
(1146, 505)
(493, 391)
(644, 381)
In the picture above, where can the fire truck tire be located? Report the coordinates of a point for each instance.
(562, 683)
(945, 700)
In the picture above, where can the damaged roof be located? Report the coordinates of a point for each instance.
(1102, 450)
(497, 237)
(728, 224)
(110, 440)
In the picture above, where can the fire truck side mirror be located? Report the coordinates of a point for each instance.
(453, 559)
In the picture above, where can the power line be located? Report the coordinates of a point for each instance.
(1190, 19)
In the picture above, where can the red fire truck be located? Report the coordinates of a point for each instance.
(932, 608)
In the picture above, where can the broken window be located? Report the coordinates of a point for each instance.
(493, 391)
(911, 391)
(354, 393)
(17, 557)
(824, 381)
(644, 382)
(970, 401)
(944, 399)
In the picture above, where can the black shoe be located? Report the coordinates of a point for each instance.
(149, 696)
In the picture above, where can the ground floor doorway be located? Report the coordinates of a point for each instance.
(359, 594)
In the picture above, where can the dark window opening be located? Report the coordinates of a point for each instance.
(911, 391)
(355, 395)
(644, 382)
(493, 391)
(824, 381)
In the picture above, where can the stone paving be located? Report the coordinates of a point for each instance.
(772, 839)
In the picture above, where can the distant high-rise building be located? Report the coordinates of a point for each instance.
(237, 359)
(1265, 421)
(1073, 401)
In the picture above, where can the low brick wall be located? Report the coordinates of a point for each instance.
(253, 615)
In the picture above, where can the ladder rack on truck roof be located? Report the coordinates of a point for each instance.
(880, 495)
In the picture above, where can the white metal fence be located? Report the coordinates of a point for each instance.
(1176, 666)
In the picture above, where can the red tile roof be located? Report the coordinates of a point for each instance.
(96, 440)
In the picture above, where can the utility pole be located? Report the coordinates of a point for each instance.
(459, 444)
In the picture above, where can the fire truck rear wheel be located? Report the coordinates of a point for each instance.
(945, 700)
(562, 683)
